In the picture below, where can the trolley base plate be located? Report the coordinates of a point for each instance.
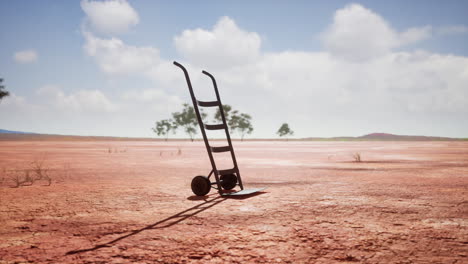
(243, 192)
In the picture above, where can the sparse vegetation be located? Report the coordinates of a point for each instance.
(188, 120)
(2, 177)
(357, 157)
(227, 113)
(28, 177)
(41, 172)
(22, 178)
(236, 121)
(35, 171)
(242, 124)
(3, 92)
(284, 130)
(165, 127)
(116, 150)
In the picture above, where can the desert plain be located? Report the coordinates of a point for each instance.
(131, 202)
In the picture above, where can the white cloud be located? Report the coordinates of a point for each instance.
(452, 30)
(52, 110)
(226, 45)
(26, 56)
(359, 34)
(318, 93)
(53, 98)
(81, 100)
(153, 100)
(163, 73)
(415, 34)
(13, 100)
(110, 17)
(115, 57)
(386, 88)
(429, 83)
(147, 95)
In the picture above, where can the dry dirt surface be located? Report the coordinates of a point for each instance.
(131, 202)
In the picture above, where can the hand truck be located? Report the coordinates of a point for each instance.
(225, 180)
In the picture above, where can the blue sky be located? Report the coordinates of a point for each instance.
(328, 68)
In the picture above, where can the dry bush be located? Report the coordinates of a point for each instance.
(357, 157)
(41, 171)
(36, 171)
(2, 177)
(111, 150)
(20, 178)
(179, 151)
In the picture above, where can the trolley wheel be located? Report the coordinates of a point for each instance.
(201, 185)
(228, 181)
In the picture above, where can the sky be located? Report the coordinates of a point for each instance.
(327, 68)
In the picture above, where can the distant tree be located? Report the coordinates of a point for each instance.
(188, 120)
(241, 123)
(227, 110)
(164, 128)
(284, 130)
(236, 121)
(3, 93)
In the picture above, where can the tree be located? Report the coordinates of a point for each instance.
(284, 130)
(235, 120)
(188, 120)
(164, 128)
(227, 109)
(3, 93)
(241, 122)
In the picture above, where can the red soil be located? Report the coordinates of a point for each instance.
(407, 202)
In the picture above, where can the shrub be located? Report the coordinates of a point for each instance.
(357, 157)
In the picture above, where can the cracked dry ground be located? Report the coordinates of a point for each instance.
(130, 202)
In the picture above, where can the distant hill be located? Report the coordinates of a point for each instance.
(15, 136)
(391, 137)
(387, 137)
(3, 131)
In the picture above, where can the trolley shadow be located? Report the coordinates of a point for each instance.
(169, 221)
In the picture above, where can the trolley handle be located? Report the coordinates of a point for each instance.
(180, 66)
(209, 74)
(214, 83)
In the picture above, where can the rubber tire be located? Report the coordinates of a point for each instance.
(201, 185)
(228, 181)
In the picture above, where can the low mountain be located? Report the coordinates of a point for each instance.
(392, 137)
(386, 137)
(3, 131)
